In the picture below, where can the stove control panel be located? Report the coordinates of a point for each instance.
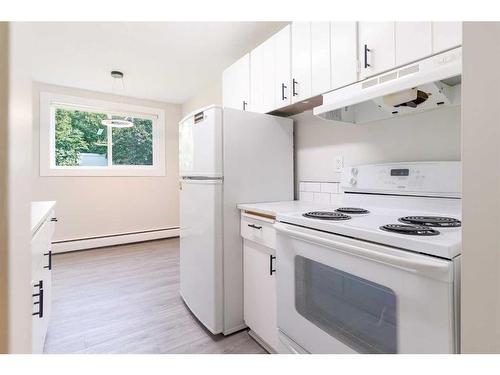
(441, 179)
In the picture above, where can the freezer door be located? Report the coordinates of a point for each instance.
(200, 144)
(201, 250)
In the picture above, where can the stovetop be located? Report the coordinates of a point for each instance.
(387, 226)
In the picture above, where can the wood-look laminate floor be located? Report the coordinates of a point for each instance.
(125, 299)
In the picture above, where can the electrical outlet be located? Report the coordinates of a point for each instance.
(338, 163)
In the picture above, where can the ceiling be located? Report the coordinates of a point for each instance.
(166, 61)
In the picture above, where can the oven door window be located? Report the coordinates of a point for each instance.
(355, 311)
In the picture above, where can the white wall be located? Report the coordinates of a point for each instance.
(4, 103)
(206, 96)
(481, 188)
(19, 124)
(433, 135)
(100, 206)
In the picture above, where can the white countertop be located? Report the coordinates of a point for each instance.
(39, 213)
(275, 208)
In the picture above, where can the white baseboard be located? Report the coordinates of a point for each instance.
(118, 239)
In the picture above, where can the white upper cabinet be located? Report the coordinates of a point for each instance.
(413, 41)
(236, 84)
(270, 73)
(301, 61)
(282, 67)
(307, 59)
(376, 47)
(446, 35)
(262, 77)
(320, 58)
(344, 53)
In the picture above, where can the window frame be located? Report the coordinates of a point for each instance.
(48, 104)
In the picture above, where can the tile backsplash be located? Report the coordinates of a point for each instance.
(321, 192)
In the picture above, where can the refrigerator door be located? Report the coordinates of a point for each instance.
(201, 250)
(200, 144)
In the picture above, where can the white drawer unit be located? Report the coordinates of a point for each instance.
(41, 280)
(259, 230)
(259, 275)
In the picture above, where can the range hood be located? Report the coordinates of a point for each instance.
(424, 85)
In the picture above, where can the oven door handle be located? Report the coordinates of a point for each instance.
(406, 262)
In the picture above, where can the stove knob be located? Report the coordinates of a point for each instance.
(353, 181)
(354, 171)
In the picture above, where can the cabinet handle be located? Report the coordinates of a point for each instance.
(40, 299)
(283, 87)
(254, 226)
(366, 56)
(294, 92)
(49, 254)
(245, 105)
(271, 270)
(53, 219)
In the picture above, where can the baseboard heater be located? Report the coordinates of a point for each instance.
(64, 246)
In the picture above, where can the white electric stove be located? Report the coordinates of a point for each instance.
(380, 272)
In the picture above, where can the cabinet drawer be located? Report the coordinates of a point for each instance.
(259, 231)
(40, 245)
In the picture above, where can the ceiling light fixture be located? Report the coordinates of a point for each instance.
(110, 121)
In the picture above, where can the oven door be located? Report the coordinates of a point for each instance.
(341, 295)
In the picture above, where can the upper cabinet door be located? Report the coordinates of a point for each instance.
(282, 67)
(320, 58)
(446, 35)
(413, 41)
(301, 61)
(257, 80)
(344, 48)
(236, 84)
(262, 78)
(376, 47)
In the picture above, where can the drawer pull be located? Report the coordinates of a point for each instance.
(40, 299)
(53, 219)
(254, 226)
(271, 270)
(49, 254)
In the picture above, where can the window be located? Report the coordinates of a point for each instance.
(74, 141)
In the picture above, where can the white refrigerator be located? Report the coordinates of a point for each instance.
(226, 157)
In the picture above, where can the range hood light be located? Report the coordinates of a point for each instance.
(395, 99)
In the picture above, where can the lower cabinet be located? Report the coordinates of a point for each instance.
(260, 292)
(41, 275)
(259, 279)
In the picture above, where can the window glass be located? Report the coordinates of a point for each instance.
(80, 138)
(357, 312)
(134, 145)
